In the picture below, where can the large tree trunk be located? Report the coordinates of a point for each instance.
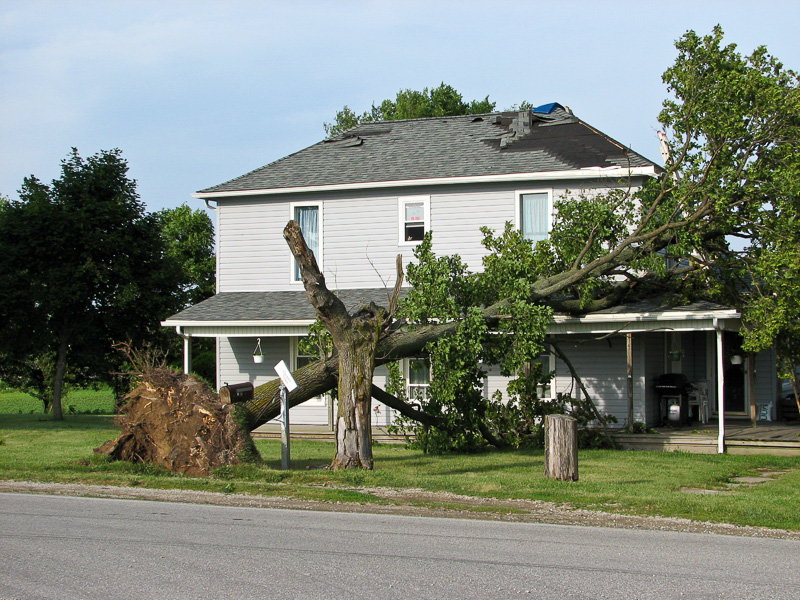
(61, 369)
(355, 339)
(356, 366)
(319, 377)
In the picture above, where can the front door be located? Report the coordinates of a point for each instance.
(735, 377)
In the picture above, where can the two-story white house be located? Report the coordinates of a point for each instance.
(364, 196)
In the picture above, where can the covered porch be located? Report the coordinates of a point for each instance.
(697, 347)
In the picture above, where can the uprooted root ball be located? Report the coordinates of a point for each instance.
(178, 422)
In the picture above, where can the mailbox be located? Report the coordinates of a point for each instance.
(236, 392)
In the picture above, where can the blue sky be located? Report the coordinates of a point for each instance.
(198, 92)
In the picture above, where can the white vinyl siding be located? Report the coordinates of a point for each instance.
(236, 359)
(458, 218)
(253, 256)
(360, 232)
(361, 242)
(602, 365)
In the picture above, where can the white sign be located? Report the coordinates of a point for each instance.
(286, 377)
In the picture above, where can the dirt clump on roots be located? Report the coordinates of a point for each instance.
(177, 421)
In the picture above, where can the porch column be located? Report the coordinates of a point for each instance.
(720, 393)
(629, 360)
(187, 354)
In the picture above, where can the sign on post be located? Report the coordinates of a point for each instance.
(286, 376)
(287, 385)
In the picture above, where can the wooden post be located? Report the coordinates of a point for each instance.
(560, 448)
(750, 379)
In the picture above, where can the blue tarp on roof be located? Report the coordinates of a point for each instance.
(546, 109)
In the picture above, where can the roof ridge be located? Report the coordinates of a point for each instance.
(439, 117)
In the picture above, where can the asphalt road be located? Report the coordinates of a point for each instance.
(86, 548)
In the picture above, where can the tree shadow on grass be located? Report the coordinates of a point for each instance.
(41, 422)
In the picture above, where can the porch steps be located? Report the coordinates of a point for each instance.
(705, 443)
(321, 433)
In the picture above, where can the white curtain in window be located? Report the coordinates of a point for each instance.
(308, 219)
(535, 216)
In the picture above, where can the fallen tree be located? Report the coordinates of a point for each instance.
(730, 173)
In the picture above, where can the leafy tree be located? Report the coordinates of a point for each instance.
(83, 266)
(189, 238)
(411, 104)
(733, 130)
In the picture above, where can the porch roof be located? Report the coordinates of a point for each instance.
(288, 313)
(650, 316)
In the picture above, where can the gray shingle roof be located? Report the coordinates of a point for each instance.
(657, 306)
(294, 305)
(461, 146)
(272, 306)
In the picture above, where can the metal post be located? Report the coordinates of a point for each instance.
(285, 455)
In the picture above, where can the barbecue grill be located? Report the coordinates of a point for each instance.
(673, 391)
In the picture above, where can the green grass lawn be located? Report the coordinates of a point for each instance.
(35, 448)
(75, 402)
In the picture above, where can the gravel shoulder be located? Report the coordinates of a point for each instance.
(411, 502)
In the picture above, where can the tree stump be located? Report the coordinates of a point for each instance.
(560, 448)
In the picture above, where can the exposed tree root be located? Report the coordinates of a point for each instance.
(178, 422)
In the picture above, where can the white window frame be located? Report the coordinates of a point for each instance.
(319, 254)
(407, 377)
(401, 217)
(294, 355)
(548, 360)
(518, 206)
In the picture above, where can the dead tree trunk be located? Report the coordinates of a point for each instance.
(560, 448)
(356, 340)
(356, 345)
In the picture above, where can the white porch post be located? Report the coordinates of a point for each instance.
(187, 354)
(720, 392)
(629, 361)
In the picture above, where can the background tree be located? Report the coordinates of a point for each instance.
(83, 266)
(411, 104)
(189, 239)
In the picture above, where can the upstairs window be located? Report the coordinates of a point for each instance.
(414, 219)
(534, 215)
(307, 216)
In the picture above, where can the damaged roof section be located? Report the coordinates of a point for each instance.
(548, 138)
